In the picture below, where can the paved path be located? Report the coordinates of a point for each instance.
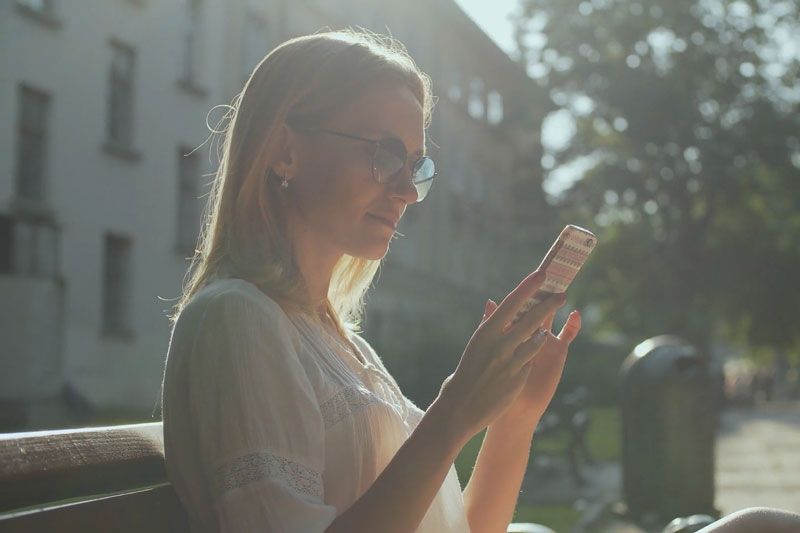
(758, 458)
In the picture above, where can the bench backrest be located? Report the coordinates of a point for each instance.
(89, 479)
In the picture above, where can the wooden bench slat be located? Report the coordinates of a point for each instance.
(47, 466)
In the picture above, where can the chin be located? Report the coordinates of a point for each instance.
(375, 253)
(372, 250)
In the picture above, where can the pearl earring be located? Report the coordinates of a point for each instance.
(284, 183)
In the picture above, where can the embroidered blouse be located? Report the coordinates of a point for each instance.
(271, 424)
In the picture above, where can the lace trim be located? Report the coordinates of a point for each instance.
(346, 402)
(398, 399)
(264, 465)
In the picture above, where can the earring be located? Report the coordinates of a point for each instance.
(284, 183)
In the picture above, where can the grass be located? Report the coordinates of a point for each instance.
(559, 518)
(603, 439)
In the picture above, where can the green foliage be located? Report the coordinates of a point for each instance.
(556, 517)
(465, 461)
(603, 439)
(693, 130)
(595, 367)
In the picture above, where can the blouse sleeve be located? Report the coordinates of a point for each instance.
(259, 429)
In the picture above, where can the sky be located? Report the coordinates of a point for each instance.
(492, 18)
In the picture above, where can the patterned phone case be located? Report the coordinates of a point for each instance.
(561, 264)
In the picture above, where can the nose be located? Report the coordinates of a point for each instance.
(403, 187)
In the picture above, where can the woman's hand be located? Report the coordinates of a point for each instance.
(546, 367)
(497, 361)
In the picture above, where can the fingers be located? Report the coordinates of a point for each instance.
(534, 318)
(527, 350)
(488, 309)
(548, 321)
(571, 328)
(516, 299)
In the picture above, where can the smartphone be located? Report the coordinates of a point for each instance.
(561, 264)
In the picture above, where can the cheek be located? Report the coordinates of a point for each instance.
(338, 193)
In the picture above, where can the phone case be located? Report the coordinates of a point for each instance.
(561, 264)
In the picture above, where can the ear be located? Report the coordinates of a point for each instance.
(285, 162)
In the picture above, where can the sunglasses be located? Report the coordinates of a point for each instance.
(388, 159)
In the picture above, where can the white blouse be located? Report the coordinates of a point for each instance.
(270, 424)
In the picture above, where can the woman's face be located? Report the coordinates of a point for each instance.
(335, 196)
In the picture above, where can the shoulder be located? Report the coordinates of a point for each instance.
(231, 291)
(228, 301)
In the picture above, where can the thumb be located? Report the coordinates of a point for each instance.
(571, 327)
(488, 309)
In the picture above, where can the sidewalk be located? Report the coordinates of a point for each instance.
(758, 458)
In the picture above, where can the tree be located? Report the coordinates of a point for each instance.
(687, 112)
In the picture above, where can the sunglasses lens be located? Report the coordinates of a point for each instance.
(424, 172)
(422, 189)
(388, 161)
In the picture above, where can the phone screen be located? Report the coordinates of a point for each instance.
(561, 264)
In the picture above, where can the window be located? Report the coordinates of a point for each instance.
(454, 89)
(116, 285)
(28, 247)
(40, 6)
(192, 43)
(42, 11)
(255, 41)
(188, 202)
(494, 109)
(34, 109)
(120, 95)
(475, 105)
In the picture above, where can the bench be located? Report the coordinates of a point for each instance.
(94, 479)
(89, 479)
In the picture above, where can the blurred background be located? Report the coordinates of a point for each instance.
(669, 129)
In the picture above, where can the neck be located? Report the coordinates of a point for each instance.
(316, 258)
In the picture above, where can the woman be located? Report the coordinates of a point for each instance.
(278, 415)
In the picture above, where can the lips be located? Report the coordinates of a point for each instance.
(391, 221)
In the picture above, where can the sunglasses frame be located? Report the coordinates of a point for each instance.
(378, 143)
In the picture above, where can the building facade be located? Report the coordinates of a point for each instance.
(105, 170)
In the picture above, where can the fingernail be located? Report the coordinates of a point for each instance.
(486, 307)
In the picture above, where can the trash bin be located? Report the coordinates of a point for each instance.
(670, 406)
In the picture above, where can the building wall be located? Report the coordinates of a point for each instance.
(457, 241)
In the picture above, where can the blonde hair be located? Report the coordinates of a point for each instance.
(243, 234)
